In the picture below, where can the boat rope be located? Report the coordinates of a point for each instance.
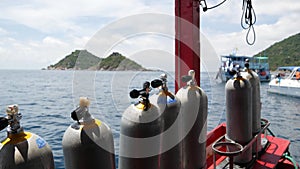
(272, 134)
(204, 5)
(287, 156)
(269, 130)
(248, 19)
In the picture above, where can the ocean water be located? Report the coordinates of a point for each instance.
(46, 99)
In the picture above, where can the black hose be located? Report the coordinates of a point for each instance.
(3, 123)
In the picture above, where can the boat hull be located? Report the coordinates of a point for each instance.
(285, 87)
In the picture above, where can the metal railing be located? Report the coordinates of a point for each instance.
(232, 148)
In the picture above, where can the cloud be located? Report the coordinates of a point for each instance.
(125, 31)
(276, 7)
(33, 54)
(51, 16)
(3, 32)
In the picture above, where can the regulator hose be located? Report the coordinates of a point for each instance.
(288, 157)
(3, 123)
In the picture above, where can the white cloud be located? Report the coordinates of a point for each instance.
(53, 41)
(276, 7)
(228, 12)
(3, 32)
(15, 54)
(126, 30)
(56, 15)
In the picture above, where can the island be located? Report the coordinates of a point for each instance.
(84, 60)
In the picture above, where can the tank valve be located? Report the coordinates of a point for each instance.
(162, 82)
(3, 123)
(247, 64)
(143, 94)
(81, 113)
(189, 79)
(13, 117)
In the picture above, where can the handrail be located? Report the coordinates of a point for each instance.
(241, 148)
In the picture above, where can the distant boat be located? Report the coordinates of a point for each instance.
(286, 82)
(258, 64)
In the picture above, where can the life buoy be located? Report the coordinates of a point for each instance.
(263, 73)
(298, 75)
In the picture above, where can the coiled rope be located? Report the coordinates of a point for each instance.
(248, 19)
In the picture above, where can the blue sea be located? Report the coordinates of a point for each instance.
(46, 99)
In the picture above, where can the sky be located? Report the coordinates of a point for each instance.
(35, 34)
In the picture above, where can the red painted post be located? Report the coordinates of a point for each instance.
(187, 42)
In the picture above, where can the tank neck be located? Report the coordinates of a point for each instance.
(13, 133)
(239, 77)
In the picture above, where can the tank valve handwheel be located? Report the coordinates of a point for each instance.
(190, 78)
(82, 111)
(3, 123)
(162, 82)
(143, 94)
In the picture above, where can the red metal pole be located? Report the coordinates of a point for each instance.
(187, 42)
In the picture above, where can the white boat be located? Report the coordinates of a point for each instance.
(286, 84)
(258, 64)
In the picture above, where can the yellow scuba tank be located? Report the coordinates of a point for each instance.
(22, 150)
(88, 143)
(169, 107)
(140, 133)
(193, 110)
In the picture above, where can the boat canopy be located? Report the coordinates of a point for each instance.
(256, 63)
(288, 68)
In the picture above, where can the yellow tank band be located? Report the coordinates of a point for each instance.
(162, 93)
(239, 78)
(140, 106)
(98, 122)
(16, 138)
(91, 125)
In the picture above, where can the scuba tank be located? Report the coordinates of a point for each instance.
(22, 150)
(254, 80)
(140, 133)
(194, 118)
(238, 93)
(169, 107)
(88, 143)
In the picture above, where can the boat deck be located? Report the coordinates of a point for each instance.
(269, 159)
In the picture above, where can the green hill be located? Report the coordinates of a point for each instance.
(283, 53)
(79, 59)
(82, 60)
(116, 61)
